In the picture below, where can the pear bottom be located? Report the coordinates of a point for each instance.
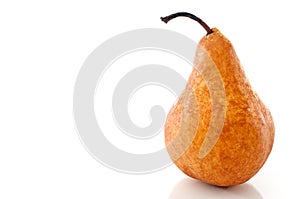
(243, 147)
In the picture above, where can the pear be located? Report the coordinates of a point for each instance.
(219, 131)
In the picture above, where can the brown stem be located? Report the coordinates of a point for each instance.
(186, 14)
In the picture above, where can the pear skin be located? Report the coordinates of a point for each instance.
(236, 151)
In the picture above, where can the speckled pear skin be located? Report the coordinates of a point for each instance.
(247, 136)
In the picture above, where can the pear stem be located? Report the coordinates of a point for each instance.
(189, 15)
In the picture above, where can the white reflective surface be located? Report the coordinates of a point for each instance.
(193, 189)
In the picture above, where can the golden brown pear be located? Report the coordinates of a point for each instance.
(218, 131)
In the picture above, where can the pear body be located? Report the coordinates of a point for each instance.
(246, 138)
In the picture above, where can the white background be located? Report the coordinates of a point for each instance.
(42, 48)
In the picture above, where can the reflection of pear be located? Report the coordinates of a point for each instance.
(220, 139)
(192, 189)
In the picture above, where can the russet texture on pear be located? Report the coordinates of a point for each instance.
(247, 134)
